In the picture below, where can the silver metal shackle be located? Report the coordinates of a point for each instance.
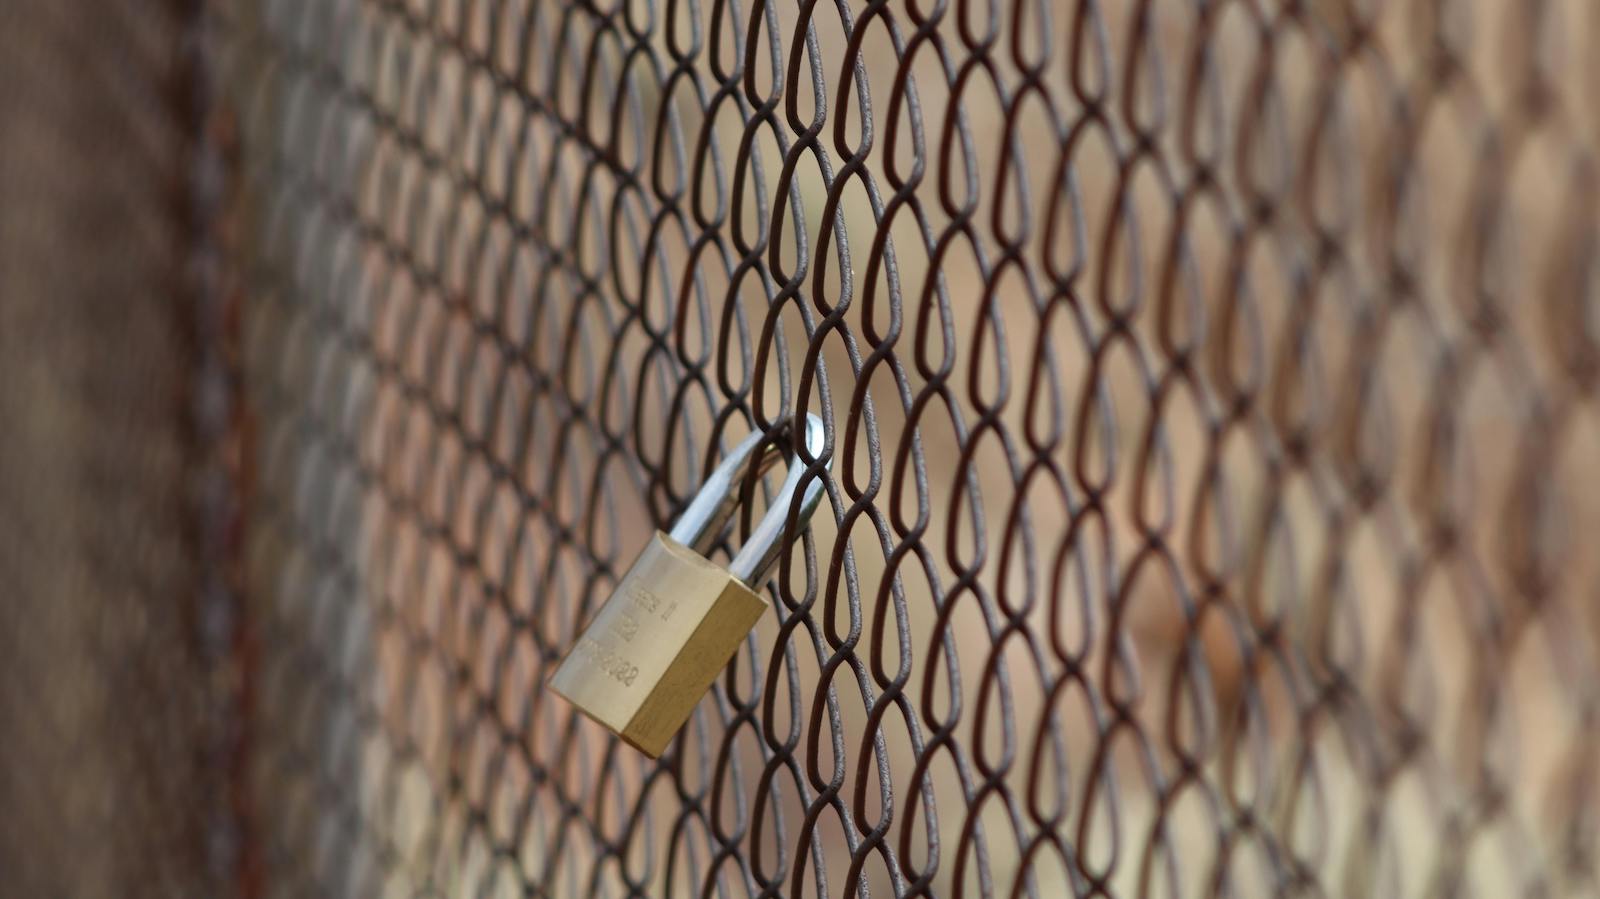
(703, 523)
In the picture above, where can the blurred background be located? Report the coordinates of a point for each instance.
(1210, 396)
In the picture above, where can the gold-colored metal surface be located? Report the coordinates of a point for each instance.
(655, 646)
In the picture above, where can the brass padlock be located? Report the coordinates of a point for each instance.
(651, 652)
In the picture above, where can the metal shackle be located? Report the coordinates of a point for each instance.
(703, 523)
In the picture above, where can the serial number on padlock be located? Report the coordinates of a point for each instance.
(609, 662)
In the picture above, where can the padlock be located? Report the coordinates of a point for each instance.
(648, 656)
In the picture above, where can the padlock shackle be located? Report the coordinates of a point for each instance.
(754, 560)
(702, 524)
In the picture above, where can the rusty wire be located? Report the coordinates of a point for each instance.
(1210, 397)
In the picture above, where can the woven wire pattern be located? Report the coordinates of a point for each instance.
(1210, 396)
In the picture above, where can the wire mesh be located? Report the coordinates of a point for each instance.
(1209, 388)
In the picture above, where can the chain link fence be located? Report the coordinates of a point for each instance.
(1210, 397)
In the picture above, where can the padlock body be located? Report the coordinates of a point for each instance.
(647, 657)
